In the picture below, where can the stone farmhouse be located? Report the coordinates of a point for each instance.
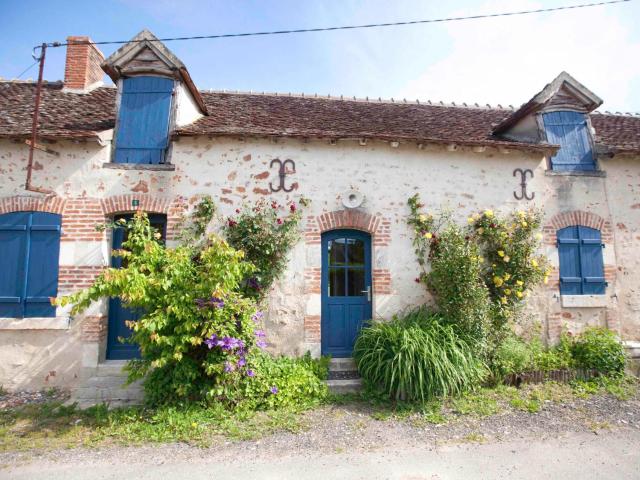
(156, 143)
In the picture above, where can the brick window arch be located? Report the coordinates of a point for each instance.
(377, 226)
(20, 203)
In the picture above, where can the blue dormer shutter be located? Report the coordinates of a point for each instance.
(30, 245)
(581, 261)
(569, 130)
(143, 120)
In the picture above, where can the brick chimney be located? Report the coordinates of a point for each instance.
(82, 70)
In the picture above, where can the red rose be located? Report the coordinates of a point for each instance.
(292, 207)
(279, 221)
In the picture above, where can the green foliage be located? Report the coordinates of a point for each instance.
(265, 233)
(319, 366)
(513, 355)
(187, 296)
(512, 267)
(414, 357)
(479, 275)
(281, 382)
(599, 349)
(194, 232)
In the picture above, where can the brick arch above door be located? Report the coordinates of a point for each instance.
(377, 226)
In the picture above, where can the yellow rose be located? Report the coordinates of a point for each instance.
(534, 262)
(507, 258)
(470, 220)
(428, 235)
(519, 283)
(538, 236)
(524, 224)
(519, 294)
(423, 218)
(498, 281)
(546, 280)
(488, 213)
(507, 291)
(500, 253)
(480, 260)
(507, 276)
(521, 213)
(503, 300)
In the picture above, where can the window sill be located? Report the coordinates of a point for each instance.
(583, 301)
(35, 323)
(575, 173)
(162, 167)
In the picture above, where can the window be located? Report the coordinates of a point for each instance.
(570, 131)
(30, 246)
(143, 120)
(581, 263)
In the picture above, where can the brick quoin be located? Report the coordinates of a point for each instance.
(312, 328)
(94, 329)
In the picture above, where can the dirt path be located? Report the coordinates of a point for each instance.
(612, 454)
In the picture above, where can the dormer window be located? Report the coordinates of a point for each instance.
(569, 130)
(142, 134)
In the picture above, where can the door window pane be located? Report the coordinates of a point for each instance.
(355, 252)
(355, 282)
(337, 251)
(336, 282)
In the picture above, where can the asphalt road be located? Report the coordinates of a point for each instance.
(608, 455)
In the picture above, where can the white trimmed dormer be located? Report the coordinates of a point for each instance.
(559, 115)
(155, 96)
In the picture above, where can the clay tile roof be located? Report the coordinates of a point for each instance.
(73, 115)
(62, 114)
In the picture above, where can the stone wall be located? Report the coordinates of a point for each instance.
(237, 170)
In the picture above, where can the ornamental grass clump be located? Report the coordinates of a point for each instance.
(415, 357)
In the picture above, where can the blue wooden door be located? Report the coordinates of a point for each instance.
(118, 331)
(346, 289)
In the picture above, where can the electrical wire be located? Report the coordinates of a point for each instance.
(349, 27)
(27, 69)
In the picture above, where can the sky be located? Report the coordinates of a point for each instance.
(496, 61)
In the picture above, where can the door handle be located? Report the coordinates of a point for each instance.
(368, 292)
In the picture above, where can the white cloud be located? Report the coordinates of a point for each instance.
(508, 60)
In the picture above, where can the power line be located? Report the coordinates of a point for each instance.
(27, 69)
(351, 27)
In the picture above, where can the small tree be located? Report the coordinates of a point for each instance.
(197, 328)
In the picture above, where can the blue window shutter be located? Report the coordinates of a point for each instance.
(13, 244)
(569, 130)
(570, 270)
(591, 261)
(143, 120)
(30, 245)
(42, 273)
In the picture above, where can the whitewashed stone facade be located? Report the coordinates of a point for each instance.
(235, 169)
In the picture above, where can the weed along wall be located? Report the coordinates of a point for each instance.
(234, 171)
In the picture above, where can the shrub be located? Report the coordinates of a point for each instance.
(265, 233)
(281, 382)
(513, 355)
(416, 357)
(479, 275)
(599, 349)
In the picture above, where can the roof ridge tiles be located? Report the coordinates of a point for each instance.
(366, 99)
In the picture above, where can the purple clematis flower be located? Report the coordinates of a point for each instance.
(228, 367)
(242, 362)
(251, 373)
(256, 317)
(261, 344)
(274, 389)
(260, 333)
(212, 341)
